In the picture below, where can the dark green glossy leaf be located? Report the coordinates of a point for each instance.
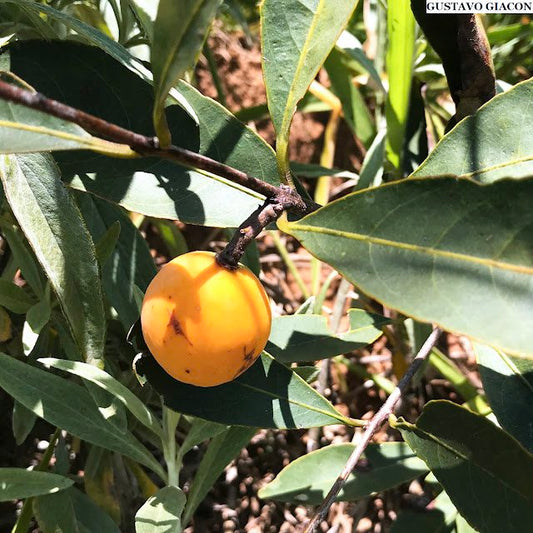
(508, 384)
(300, 337)
(441, 250)
(180, 29)
(17, 483)
(267, 395)
(161, 513)
(220, 451)
(485, 471)
(493, 144)
(53, 226)
(147, 185)
(308, 479)
(130, 262)
(70, 407)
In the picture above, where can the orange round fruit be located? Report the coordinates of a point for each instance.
(204, 324)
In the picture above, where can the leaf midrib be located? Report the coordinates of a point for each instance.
(435, 252)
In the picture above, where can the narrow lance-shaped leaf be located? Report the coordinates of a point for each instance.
(493, 144)
(69, 406)
(462, 255)
(484, 470)
(129, 263)
(53, 226)
(221, 450)
(179, 31)
(17, 483)
(111, 385)
(296, 38)
(401, 31)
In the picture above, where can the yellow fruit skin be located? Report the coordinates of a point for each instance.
(204, 324)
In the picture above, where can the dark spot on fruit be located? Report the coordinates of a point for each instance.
(173, 322)
(248, 355)
(187, 371)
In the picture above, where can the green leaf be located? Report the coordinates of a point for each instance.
(299, 337)
(508, 384)
(161, 513)
(400, 60)
(355, 109)
(428, 521)
(296, 38)
(23, 257)
(439, 517)
(70, 407)
(199, 431)
(147, 185)
(71, 511)
(179, 32)
(89, 515)
(146, 12)
(372, 167)
(17, 483)
(311, 170)
(55, 513)
(493, 144)
(107, 242)
(53, 226)
(350, 46)
(14, 298)
(109, 384)
(267, 395)
(441, 250)
(25, 130)
(37, 317)
(100, 483)
(130, 262)
(220, 452)
(308, 479)
(485, 471)
(22, 422)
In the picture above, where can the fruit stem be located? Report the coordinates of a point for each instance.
(285, 199)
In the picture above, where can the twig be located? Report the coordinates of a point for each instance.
(377, 421)
(264, 215)
(149, 146)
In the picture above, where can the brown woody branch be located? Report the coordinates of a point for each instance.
(278, 200)
(377, 421)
